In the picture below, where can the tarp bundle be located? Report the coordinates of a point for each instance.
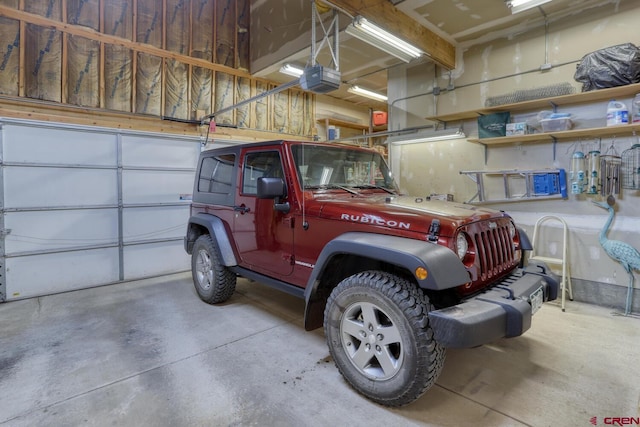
(609, 67)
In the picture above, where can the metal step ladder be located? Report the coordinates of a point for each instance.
(563, 261)
(518, 185)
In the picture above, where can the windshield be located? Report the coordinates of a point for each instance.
(329, 167)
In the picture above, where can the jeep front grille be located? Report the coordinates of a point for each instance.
(494, 249)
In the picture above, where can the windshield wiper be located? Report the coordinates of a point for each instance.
(379, 187)
(329, 187)
(342, 188)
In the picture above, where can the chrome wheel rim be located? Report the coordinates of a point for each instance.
(204, 272)
(371, 340)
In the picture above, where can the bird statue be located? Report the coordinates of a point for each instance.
(624, 253)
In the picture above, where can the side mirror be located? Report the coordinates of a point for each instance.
(273, 188)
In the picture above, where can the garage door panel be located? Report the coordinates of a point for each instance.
(154, 259)
(147, 151)
(50, 230)
(149, 186)
(30, 276)
(163, 222)
(28, 187)
(47, 145)
(88, 206)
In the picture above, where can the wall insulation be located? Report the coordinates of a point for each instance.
(9, 52)
(43, 59)
(176, 72)
(202, 47)
(224, 54)
(83, 55)
(175, 59)
(262, 107)
(118, 21)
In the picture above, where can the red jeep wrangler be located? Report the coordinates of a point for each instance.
(394, 279)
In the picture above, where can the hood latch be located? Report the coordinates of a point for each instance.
(434, 230)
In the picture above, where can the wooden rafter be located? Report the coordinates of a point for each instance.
(386, 15)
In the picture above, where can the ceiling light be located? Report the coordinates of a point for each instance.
(292, 70)
(518, 6)
(383, 40)
(428, 137)
(368, 93)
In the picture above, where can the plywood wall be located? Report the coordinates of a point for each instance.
(164, 58)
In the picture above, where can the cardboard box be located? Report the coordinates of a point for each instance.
(520, 128)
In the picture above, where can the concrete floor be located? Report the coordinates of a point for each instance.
(151, 353)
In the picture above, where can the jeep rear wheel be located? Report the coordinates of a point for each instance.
(380, 338)
(213, 281)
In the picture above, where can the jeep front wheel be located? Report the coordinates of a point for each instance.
(380, 338)
(213, 281)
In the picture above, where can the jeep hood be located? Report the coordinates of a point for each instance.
(403, 212)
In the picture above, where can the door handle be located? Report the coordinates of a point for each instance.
(242, 209)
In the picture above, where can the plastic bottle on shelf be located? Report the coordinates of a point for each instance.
(635, 109)
(617, 113)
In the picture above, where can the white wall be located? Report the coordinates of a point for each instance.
(501, 67)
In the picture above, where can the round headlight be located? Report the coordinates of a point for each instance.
(461, 245)
(512, 230)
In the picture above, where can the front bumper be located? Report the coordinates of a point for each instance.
(504, 311)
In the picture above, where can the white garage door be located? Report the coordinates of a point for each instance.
(90, 206)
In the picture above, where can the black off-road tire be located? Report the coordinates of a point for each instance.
(214, 282)
(379, 336)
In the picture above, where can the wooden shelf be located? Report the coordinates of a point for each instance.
(621, 130)
(546, 103)
(343, 124)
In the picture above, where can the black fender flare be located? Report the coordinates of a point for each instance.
(444, 268)
(525, 243)
(216, 228)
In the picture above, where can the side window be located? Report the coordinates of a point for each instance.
(259, 164)
(216, 175)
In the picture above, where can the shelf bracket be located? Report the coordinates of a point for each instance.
(555, 146)
(554, 106)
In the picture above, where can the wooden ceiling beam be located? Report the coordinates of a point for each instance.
(387, 16)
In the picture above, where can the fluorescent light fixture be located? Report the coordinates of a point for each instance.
(292, 70)
(428, 137)
(518, 6)
(382, 39)
(368, 93)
